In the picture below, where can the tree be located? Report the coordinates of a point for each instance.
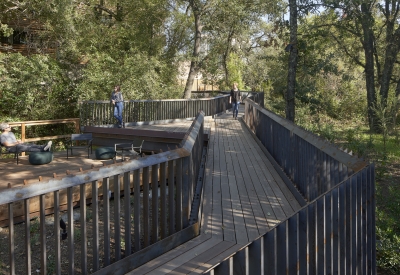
(376, 27)
(293, 51)
(226, 27)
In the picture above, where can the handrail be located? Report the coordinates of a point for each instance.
(62, 182)
(100, 112)
(312, 164)
(23, 125)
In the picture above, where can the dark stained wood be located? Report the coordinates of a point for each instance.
(206, 221)
(170, 255)
(244, 197)
(201, 269)
(200, 258)
(226, 202)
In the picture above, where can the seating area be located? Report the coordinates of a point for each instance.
(84, 142)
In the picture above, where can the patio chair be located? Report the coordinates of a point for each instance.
(133, 147)
(80, 141)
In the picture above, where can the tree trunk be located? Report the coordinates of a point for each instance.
(291, 86)
(196, 51)
(225, 57)
(368, 45)
(392, 50)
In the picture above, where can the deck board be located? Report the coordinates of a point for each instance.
(169, 256)
(187, 257)
(235, 205)
(201, 259)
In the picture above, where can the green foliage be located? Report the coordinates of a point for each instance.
(77, 234)
(235, 68)
(388, 228)
(51, 265)
(140, 77)
(5, 30)
(35, 225)
(34, 88)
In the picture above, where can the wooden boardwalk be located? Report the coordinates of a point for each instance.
(244, 197)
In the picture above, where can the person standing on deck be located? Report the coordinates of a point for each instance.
(118, 101)
(235, 100)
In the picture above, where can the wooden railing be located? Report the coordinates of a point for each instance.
(334, 232)
(24, 124)
(94, 113)
(157, 225)
(312, 164)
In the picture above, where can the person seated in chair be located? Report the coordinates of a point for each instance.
(7, 139)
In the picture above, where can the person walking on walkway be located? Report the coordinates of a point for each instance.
(118, 101)
(235, 100)
(13, 145)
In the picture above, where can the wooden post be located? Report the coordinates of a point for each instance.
(23, 132)
(77, 126)
(23, 136)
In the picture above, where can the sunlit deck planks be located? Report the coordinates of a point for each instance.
(244, 197)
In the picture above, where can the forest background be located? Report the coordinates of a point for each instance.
(347, 73)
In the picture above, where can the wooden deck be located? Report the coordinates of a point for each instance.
(15, 174)
(244, 197)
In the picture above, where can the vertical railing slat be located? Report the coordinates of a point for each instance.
(154, 207)
(146, 208)
(127, 214)
(28, 263)
(136, 210)
(70, 230)
(117, 219)
(43, 257)
(82, 206)
(179, 195)
(281, 248)
(95, 226)
(163, 199)
(328, 233)
(106, 222)
(311, 239)
(11, 246)
(335, 231)
(57, 232)
(171, 195)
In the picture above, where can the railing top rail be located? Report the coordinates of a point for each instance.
(39, 188)
(43, 122)
(157, 100)
(355, 163)
(42, 187)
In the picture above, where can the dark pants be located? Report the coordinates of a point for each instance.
(118, 108)
(235, 108)
(27, 147)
